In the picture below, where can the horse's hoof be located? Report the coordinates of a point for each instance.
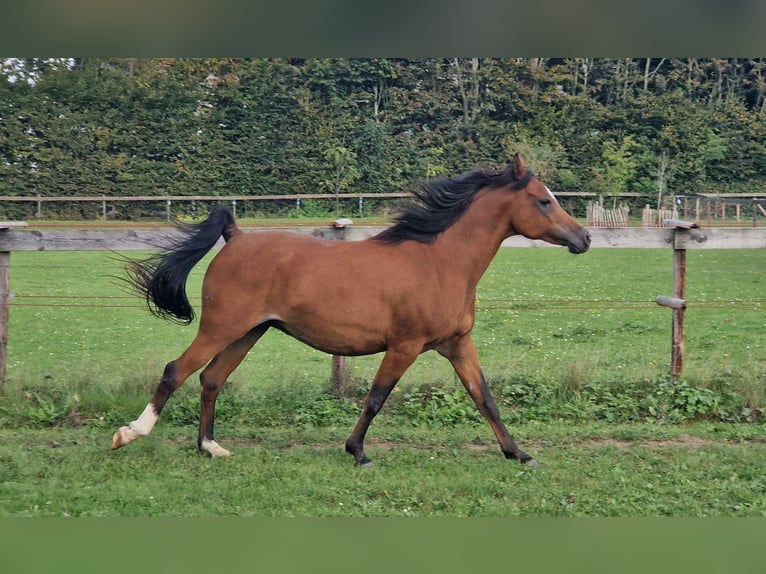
(363, 462)
(123, 436)
(532, 463)
(214, 449)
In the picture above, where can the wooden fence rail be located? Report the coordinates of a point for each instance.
(123, 239)
(166, 201)
(699, 207)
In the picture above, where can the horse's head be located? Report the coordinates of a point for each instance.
(538, 215)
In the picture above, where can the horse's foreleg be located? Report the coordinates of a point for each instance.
(212, 380)
(395, 362)
(176, 372)
(465, 360)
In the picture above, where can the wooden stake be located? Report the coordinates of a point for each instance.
(339, 375)
(5, 299)
(679, 292)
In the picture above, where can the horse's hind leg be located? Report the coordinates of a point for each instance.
(176, 372)
(462, 354)
(212, 380)
(395, 362)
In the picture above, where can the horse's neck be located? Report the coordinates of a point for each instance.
(474, 239)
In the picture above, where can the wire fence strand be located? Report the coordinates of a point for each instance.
(482, 304)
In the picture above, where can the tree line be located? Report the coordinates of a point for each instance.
(126, 127)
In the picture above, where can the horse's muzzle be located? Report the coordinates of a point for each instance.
(580, 241)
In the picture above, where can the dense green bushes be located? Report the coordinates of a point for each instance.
(260, 127)
(520, 401)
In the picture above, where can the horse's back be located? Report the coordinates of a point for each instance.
(274, 250)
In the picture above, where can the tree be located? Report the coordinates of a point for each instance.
(619, 166)
(343, 172)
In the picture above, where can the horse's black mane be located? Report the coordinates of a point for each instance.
(441, 202)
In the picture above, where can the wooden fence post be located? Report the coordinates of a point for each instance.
(339, 375)
(679, 292)
(5, 297)
(339, 372)
(677, 302)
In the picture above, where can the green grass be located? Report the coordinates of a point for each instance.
(591, 470)
(559, 337)
(69, 336)
(574, 348)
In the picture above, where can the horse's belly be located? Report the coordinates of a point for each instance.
(336, 337)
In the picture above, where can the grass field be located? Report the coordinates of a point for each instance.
(542, 313)
(588, 470)
(574, 348)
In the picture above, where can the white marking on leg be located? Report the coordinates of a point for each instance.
(214, 448)
(144, 424)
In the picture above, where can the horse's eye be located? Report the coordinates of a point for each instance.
(544, 202)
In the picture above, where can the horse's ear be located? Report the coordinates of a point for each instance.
(519, 169)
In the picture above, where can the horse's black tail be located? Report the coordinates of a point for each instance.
(161, 279)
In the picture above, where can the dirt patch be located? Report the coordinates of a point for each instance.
(684, 441)
(681, 441)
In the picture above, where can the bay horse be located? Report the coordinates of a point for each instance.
(407, 290)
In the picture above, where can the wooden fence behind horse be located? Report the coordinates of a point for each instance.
(651, 217)
(598, 216)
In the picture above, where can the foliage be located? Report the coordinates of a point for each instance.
(429, 405)
(92, 126)
(619, 166)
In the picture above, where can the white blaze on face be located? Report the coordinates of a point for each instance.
(553, 197)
